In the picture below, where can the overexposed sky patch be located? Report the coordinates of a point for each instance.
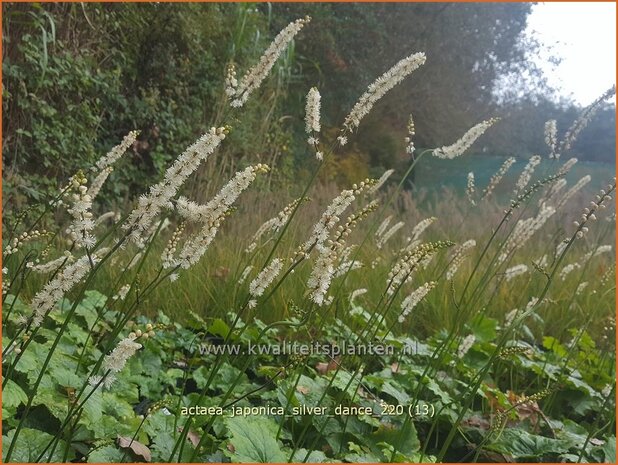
(583, 35)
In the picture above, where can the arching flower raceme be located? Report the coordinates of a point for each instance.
(463, 144)
(379, 88)
(150, 205)
(239, 92)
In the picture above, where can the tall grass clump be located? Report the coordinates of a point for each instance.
(500, 314)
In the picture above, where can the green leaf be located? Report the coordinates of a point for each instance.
(12, 397)
(219, 328)
(106, 454)
(520, 444)
(253, 440)
(315, 456)
(30, 444)
(484, 328)
(551, 343)
(393, 389)
(404, 440)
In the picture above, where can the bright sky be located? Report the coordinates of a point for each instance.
(583, 34)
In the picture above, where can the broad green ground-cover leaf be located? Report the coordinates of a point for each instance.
(30, 444)
(520, 444)
(253, 440)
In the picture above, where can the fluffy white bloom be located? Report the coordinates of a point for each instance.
(122, 292)
(321, 276)
(53, 265)
(330, 217)
(470, 188)
(524, 230)
(330, 252)
(566, 167)
(254, 77)
(542, 262)
(114, 154)
(466, 345)
(602, 249)
(414, 298)
(568, 269)
(150, 205)
(526, 174)
(510, 317)
(80, 229)
(515, 271)
(383, 225)
(245, 274)
(463, 144)
(560, 247)
(347, 265)
(459, 254)
(342, 140)
(421, 226)
(582, 121)
(273, 225)
(45, 300)
(117, 359)
(582, 286)
(105, 216)
(497, 177)
(265, 277)
(98, 181)
(551, 137)
(211, 215)
(380, 87)
(572, 191)
(380, 182)
(550, 194)
(388, 234)
(312, 111)
(357, 293)
(409, 140)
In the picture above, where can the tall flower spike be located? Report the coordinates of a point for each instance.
(551, 137)
(46, 299)
(312, 111)
(105, 164)
(114, 154)
(470, 188)
(80, 229)
(388, 234)
(524, 230)
(150, 205)
(580, 123)
(460, 253)
(265, 277)
(414, 298)
(254, 77)
(210, 216)
(496, 178)
(572, 191)
(382, 228)
(515, 271)
(330, 217)
(380, 182)
(380, 87)
(409, 140)
(274, 224)
(463, 144)
(324, 269)
(526, 174)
